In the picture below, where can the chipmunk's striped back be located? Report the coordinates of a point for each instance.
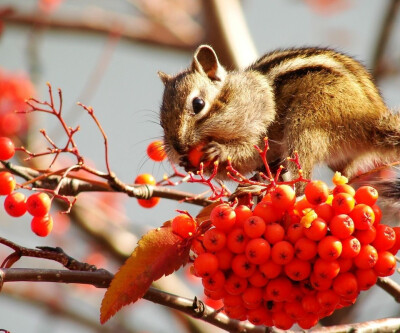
(282, 65)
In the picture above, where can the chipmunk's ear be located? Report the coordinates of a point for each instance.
(164, 77)
(205, 60)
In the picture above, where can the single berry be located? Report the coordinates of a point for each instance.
(214, 282)
(305, 248)
(343, 188)
(258, 251)
(183, 225)
(236, 240)
(282, 252)
(242, 214)
(297, 269)
(224, 257)
(341, 226)
(329, 248)
(7, 149)
(386, 264)
(145, 178)
(385, 237)
(242, 266)
(42, 225)
(206, 264)
(267, 212)
(254, 227)
(155, 150)
(367, 257)
(343, 203)
(316, 192)
(345, 284)
(366, 195)
(15, 204)
(148, 203)
(363, 216)
(317, 230)
(283, 197)
(38, 204)
(223, 217)
(274, 233)
(7, 183)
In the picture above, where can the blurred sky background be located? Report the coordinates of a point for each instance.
(126, 101)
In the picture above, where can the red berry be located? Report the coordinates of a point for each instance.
(366, 278)
(214, 282)
(236, 240)
(385, 237)
(7, 183)
(155, 150)
(258, 251)
(145, 178)
(148, 203)
(224, 257)
(278, 289)
(366, 195)
(386, 264)
(282, 252)
(345, 284)
(329, 248)
(283, 197)
(341, 226)
(206, 264)
(350, 247)
(267, 212)
(274, 233)
(343, 203)
(317, 230)
(297, 269)
(363, 216)
(242, 214)
(270, 269)
(183, 225)
(254, 227)
(325, 212)
(15, 204)
(235, 285)
(367, 257)
(316, 192)
(305, 248)
(223, 217)
(7, 149)
(38, 204)
(344, 188)
(242, 267)
(326, 269)
(42, 225)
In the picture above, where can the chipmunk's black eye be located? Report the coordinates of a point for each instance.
(198, 104)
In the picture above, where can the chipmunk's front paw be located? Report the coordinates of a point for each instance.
(213, 151)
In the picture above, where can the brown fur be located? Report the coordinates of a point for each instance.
(318, 102)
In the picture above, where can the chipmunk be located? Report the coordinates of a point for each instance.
(316, 101)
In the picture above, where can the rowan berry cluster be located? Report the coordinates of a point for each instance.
(16, 203)
(289, 261)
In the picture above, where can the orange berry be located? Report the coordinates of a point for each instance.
(316, 192)
(305, 248)
(386, 264)
(148, 203)
(366, 278)
(326, 269)
(385, 237)
(155, 150)
(325, 212)
(341, 226)
(343, 203)
(206, 264)
(223, 217)
(236, 240)
(258, 251)
(283, 197)
(366, 195)
(363, 216)
(254, 227)
(145, 178)
(329, 248)
(317, 230)
(183, 225)
(214, 240)
(242, 214)
(350, 247)
(282, 252)
(15, 204)
(7, 183)
(297, 269)
(367, 257)
(7, 149)
(343, 188)
(274, 233)
(345, 284)
(42, 225)
(267, 212)
(38, 204)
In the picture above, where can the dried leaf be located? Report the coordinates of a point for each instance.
(159, 252)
